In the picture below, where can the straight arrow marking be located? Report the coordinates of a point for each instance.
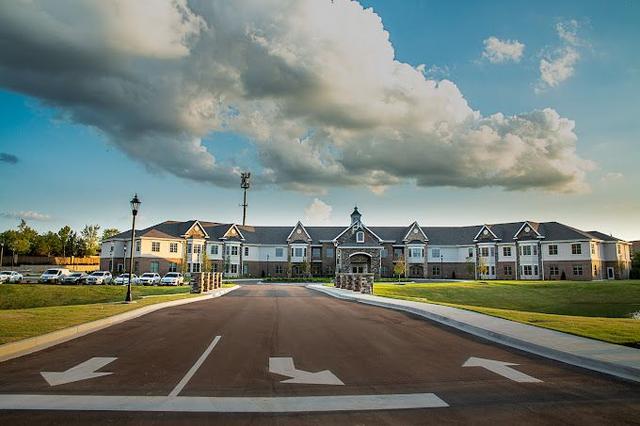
(284, 366)
(501, 368)
(83, 371)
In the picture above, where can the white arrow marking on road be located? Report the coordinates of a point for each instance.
(284, 366)
(83, 371)
(502, 368)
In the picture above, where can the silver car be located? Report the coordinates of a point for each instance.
(150, 278)
(99, 277)
(10, 277)
(75, 278)
(124, 279)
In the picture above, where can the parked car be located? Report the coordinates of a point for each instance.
(124, 279)
(10, 277)
(150, 278)
(172, 278)
(54, 275)
(74, 278)
(99, 277)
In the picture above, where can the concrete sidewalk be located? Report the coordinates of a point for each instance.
(608, 358)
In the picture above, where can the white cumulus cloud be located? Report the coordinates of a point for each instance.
(317, 213)
(313, 85)
(559, 64)
(499, 51)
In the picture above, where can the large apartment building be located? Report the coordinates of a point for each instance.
(519, 250)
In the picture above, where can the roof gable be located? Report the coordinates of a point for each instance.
(299, 233)
(528, 231)
(195, 231)
(415, 233)
(233, 233)
(485, 234)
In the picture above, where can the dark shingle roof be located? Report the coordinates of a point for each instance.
(437, 235)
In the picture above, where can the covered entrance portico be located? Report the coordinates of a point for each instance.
(360, 263)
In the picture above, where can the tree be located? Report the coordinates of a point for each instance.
(47, 244)
(64, 233)
(635, 266)
(400, 268)
(483, 268)
(90, 240)
(109, 232)
(206, 265)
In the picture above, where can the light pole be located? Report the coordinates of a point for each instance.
(267, 265)
(441, 270)
(1, 254)
(135, 205)
(244, 184)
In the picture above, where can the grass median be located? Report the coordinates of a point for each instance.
(28, 310)
(599, 310)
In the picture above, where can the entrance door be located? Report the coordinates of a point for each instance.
(610, 274)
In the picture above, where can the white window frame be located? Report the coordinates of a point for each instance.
(555, 250)
(155, 246)
(506, 251)
(173, 248)
(576, 249)
(360, 237)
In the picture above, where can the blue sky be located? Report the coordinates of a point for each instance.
(71, 172)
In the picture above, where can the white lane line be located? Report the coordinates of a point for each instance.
(194, 368)
(221, 404)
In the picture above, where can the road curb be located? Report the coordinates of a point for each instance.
(37, 343)
(627, 372)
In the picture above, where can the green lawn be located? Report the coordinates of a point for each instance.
(20, 296)
(17, 324)
(600, 310)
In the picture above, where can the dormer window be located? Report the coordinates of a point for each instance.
(359, 237)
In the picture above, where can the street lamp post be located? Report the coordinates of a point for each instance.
(441, 270)
(267, 265)
(1, 254)
(135, 205)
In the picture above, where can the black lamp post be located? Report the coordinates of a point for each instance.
(441, 270)
(135, 205)
(1, 254)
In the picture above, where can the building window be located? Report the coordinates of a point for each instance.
(234, 268)
(189, 247)
(234, 250)
(197, 248)
(576, 248)
(492, 251)
(173, 267)
(278, 269)
(195, 267)
(492, 270)
(245, 269)
(155, 246)
(227, 250)
(384, 253)
(534, 250)
(397, 253)
(214, 268)
(535, 269)
(359, 237)
(330, 252)
(508, 270)
(435, 253)
(154, 266)
(138, 245)
(173, 247)
(484, 251)
(554, 271)
(435, 270)
(525, 250)
(506, 252)
(553, 250)
(214, 249)
(279, 252)
(384, 270)
(593, 249)
(416, 252)
(470, 252)
(316, 252)
(595, 270)
(298, 252)
(526, 270)
(577, 270)
(246, 251)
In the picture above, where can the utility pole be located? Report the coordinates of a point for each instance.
(244, 184)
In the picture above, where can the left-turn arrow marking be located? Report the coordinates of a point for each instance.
(83, 371)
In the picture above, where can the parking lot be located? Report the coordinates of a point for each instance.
(267, 354)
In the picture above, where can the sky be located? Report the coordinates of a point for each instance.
(448, 113)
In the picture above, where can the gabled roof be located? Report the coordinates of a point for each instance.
(195, 223)
(359, 225)
(532, 225)
(414, 225)
(488, 228)
(229, 232)
(301, 226)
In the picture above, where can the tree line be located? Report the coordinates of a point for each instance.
(26, 241)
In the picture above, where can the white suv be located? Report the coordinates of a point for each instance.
(172, 278)
(149, 278)
(10, 277)
(99, 277)
(54, 275)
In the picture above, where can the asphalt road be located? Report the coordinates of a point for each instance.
(377, 356)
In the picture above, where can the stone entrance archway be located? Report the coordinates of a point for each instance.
(360, 263)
